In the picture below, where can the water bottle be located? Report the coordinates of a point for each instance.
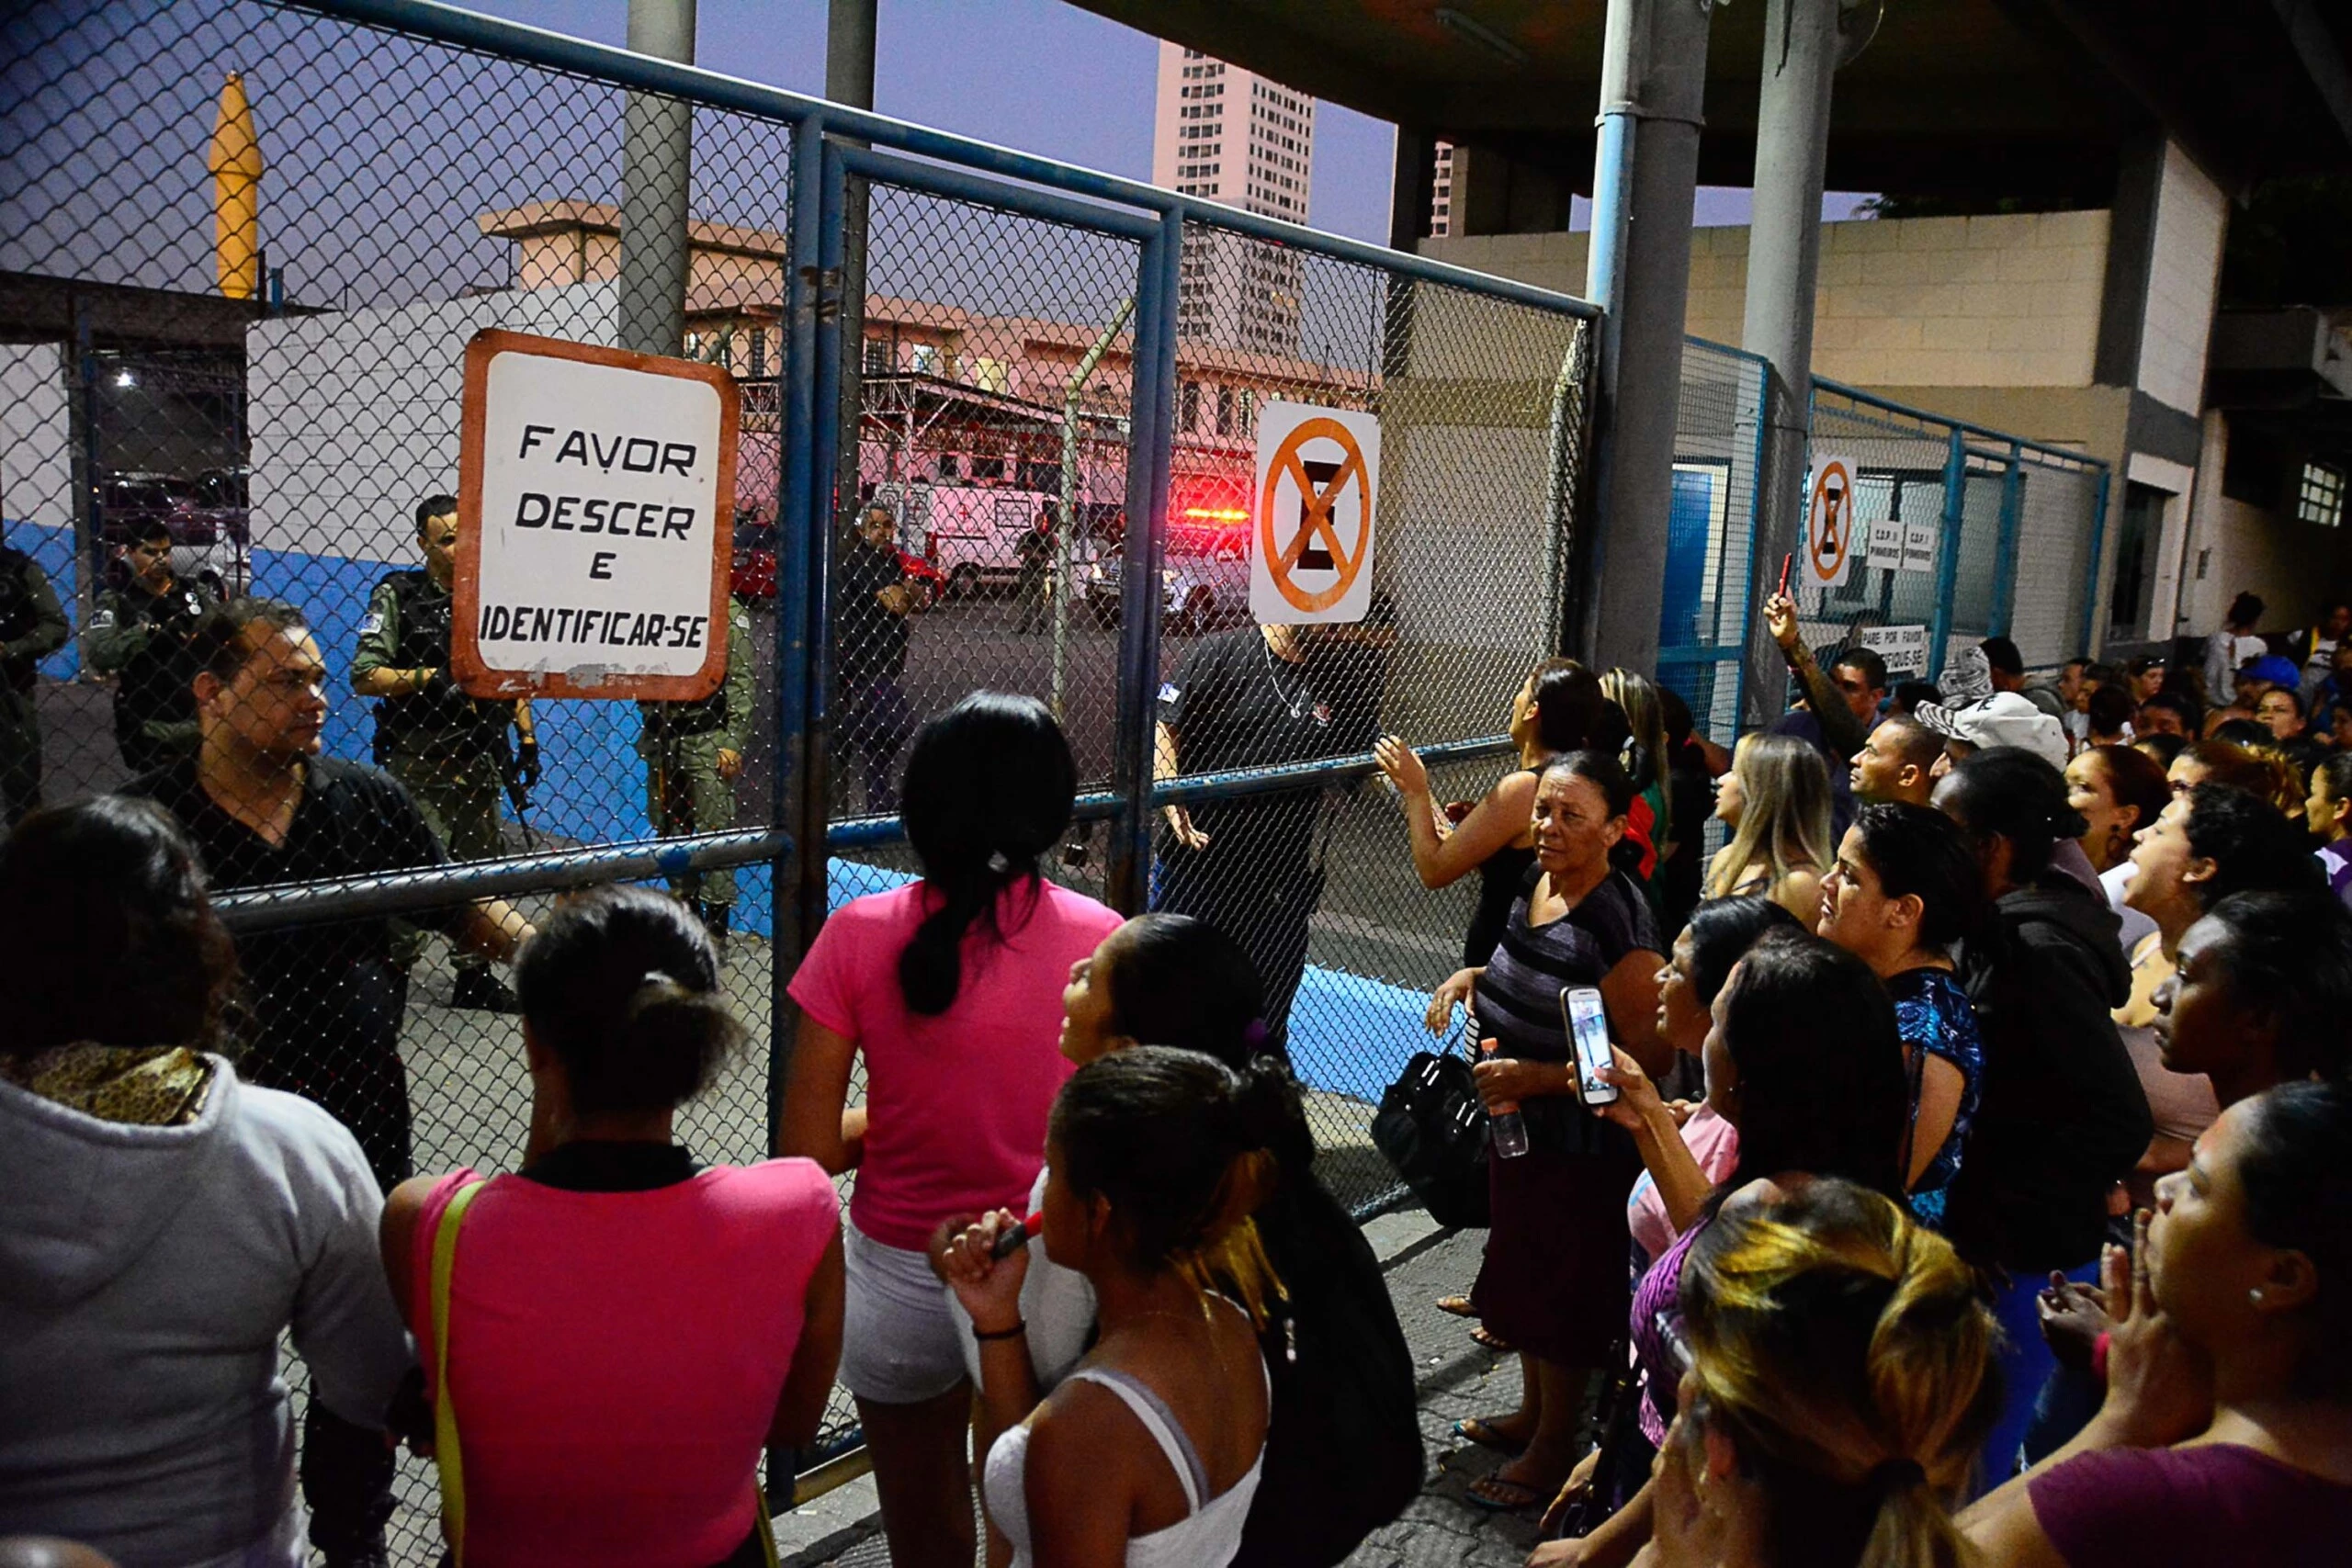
(1506, 1127)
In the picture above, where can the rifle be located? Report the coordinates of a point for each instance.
(518, 787)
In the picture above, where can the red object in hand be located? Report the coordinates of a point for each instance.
(1786, 561)
(1012, 1238)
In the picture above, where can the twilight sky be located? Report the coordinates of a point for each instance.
(1039, 75)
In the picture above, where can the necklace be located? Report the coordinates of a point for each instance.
(1294, 700)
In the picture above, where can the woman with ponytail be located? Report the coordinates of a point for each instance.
(614, 1335)
(1150, 1451)
(948, 990)
(1839, 1381)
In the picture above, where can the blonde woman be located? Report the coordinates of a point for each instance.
(1775, 801)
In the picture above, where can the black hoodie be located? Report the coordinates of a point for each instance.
(2063, 1116)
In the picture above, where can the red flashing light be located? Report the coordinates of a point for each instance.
(1216, 513)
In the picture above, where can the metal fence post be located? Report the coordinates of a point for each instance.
(1948, 551)
(1150, 458)
(800, 621)
(2092, 641)
(2004, 555)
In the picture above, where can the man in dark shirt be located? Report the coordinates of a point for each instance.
(1250, 698)
(872, 601)
(263, 809)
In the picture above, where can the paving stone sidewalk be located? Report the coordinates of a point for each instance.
(1442, 1528)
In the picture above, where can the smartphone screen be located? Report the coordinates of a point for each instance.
(1587, 1025)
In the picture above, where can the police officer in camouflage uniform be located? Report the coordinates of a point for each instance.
(32, 626)
(445, 745)
(139, 633)
(693, 752)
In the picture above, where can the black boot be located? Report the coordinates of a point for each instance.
(482, 991)
(714, 917)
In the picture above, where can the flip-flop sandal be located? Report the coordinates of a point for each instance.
(1486, 1492)
(1458, 1306)
(1472, 1430)
(1486, 1337)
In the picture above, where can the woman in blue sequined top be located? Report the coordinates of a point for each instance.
(1904, 888)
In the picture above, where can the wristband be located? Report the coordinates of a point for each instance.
(2098, 1356)
(1015, 1332)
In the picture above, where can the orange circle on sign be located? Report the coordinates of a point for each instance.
(1282, 565)
(1831, 530)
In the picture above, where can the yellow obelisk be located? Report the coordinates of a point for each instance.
(236, 169)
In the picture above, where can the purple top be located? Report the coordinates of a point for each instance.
(2211, 1502)
(1659, 1295)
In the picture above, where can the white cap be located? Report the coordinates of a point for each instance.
(2004, 718)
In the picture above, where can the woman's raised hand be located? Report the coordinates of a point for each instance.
(1403, 766)
(987, 1286)
(1637, 1103)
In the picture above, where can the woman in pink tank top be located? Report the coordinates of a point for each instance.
(628, 1329)
(948, 992)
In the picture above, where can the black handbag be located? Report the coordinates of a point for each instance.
(1432, 1128)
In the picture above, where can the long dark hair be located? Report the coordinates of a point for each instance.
(622, 985)
(988, 789)
(2253, 848)
(2299, 1195)
(1174, 980)
(1721, 933)
(1922, 854)
(1180, 1145)
(1821, 1083)
(2287, 961)
(108, 934)
(2003, 791)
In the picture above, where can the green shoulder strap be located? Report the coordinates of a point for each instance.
(445, 1409)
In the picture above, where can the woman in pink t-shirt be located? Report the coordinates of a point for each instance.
(950, 990)
(627, 1331)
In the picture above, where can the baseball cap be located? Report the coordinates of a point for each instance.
(2004, 718)
(1967, 678)
(2271, 667)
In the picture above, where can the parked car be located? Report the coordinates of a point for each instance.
(1203, 580)
(753, 576)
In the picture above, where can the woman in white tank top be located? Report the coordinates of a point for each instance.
(1149, 1454)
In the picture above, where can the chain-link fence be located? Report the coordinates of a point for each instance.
(1711, 528)
(1970, 533)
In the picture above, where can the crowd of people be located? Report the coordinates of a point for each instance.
(1963, 1179)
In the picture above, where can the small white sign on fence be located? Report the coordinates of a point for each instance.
(1919, 546)
(1905, 649)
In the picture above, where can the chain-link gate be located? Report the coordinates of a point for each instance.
(2013, 531)
(242, 251)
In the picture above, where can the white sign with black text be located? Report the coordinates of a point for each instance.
(1905, 649)
(596, 509)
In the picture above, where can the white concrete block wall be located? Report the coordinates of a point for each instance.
(2192, 217)
(36, 436)
(2010, 299)
(354, 417)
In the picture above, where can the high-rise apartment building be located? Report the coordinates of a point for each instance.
(1231, 136)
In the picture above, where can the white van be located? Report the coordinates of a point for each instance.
(971, 533)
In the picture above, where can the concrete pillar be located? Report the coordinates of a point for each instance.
(1652, 88)
(849, 53)
(1412, 185)
(657, 173)
(1801, 45)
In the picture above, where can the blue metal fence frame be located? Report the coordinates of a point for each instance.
(830, 144)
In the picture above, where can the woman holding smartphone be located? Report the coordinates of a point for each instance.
(1553, 1282)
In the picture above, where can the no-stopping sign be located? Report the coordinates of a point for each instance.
(595, 507)
(1310, 553)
